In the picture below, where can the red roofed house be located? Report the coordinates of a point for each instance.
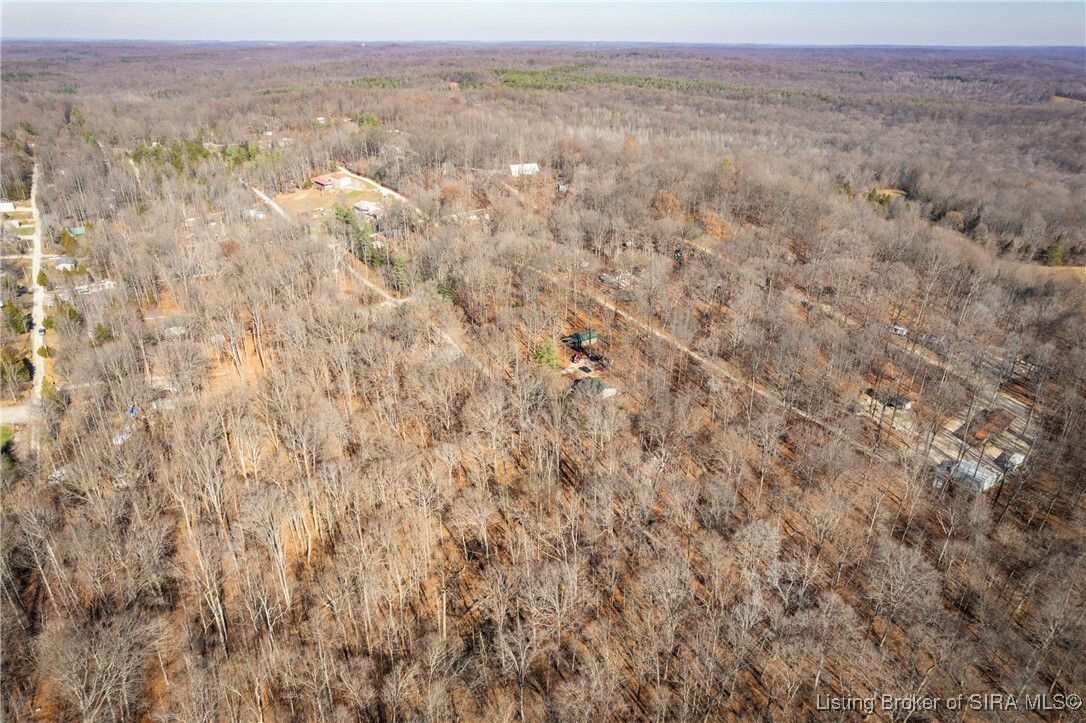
(332, 180)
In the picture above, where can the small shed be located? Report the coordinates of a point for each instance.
(593, 387)
(7, 207)
(620, 281)
(889, 399)
(77, 231)
(524, 169)
(589, 386)
(583, 339)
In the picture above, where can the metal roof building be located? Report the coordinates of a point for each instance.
(972, 474)
(524, 169)
(582, 338)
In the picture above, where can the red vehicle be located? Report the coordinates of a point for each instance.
(578, 358)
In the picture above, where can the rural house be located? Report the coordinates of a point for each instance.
(372, 209)
(332, 180)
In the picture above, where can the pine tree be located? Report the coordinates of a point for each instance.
(399, 270)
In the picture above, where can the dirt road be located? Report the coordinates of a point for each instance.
(15, 415)
(39, 294)
(270, 203)
(383, 190)
(24, 414)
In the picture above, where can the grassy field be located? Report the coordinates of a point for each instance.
(1065, 271)
(7, 431)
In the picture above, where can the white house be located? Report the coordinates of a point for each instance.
(7, 207)
(369, 208)
(524, 169)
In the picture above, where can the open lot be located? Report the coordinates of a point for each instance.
(315, 202)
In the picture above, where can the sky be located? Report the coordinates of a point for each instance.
(760, 22)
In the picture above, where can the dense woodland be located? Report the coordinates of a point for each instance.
(358, 487)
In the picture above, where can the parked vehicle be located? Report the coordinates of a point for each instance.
(1008, 461)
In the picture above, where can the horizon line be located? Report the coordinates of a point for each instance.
(166, 41)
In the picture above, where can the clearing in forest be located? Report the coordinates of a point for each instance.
(315, 202)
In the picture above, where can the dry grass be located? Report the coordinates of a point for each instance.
(1063, 272)
(891, 192)
(311, 201)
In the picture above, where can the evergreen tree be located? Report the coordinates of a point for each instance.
(399, 270)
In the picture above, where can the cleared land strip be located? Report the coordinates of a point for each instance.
(390, 300)
(270, 203)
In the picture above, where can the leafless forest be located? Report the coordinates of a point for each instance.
(293, 460)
